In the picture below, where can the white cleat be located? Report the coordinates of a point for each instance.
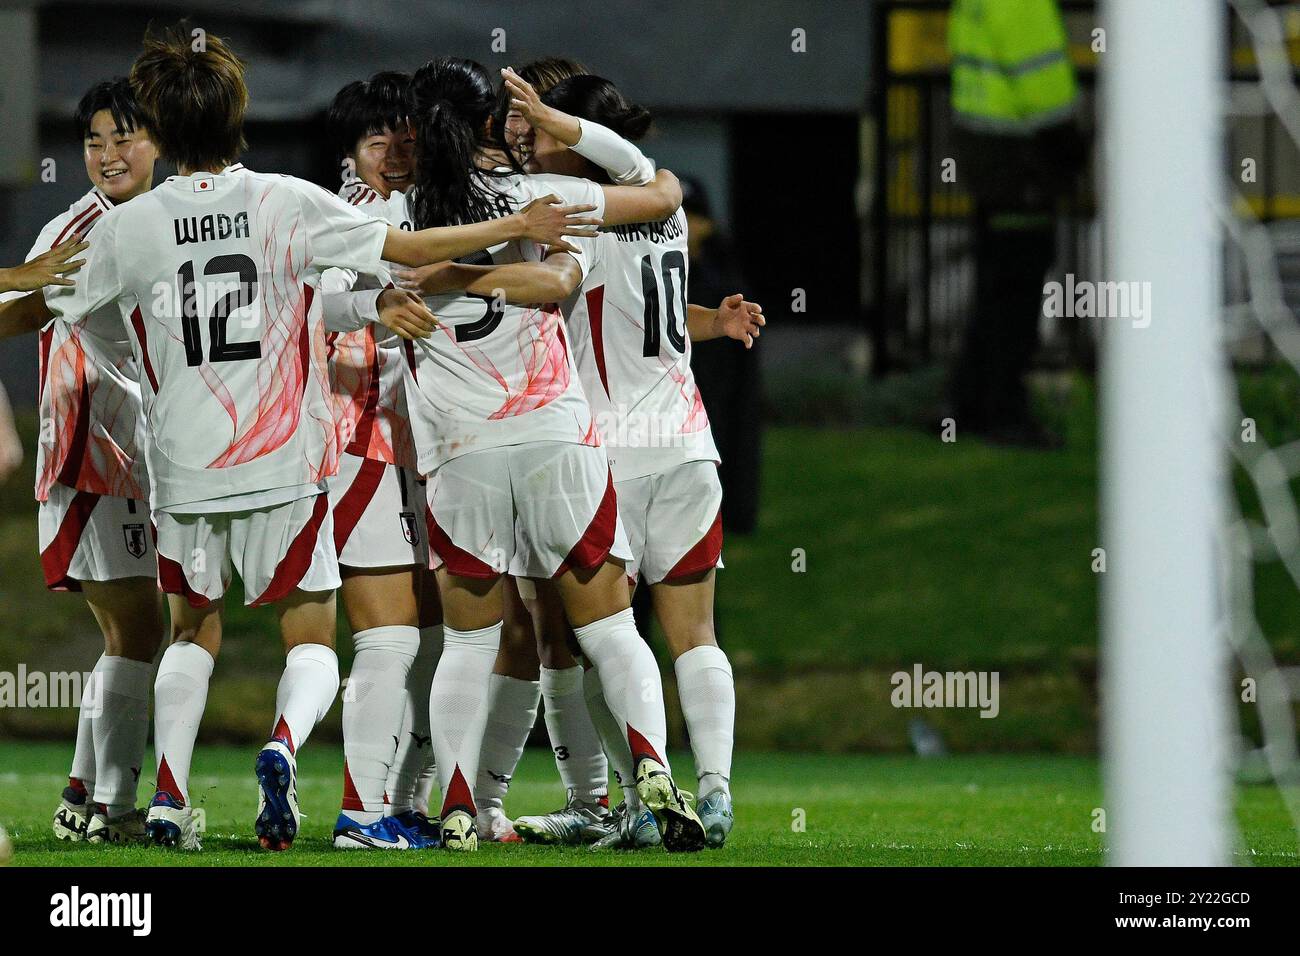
(72, 816)
(630, 830)
(458, 832)
(126, 827)
(577, 823)
(679, 825)
(494, 826)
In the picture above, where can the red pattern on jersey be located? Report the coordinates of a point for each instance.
(546, 364)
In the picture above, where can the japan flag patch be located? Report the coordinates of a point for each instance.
(203, 184)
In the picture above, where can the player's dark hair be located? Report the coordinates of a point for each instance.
(548, 71)
(115, 96)
(599, 100)
(452, 101)
(368, 108)
(192, 96)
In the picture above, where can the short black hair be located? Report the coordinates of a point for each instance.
(115, 96)
(368, 108)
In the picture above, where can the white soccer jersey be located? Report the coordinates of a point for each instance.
(490, 376)
(366, 367)
(215, 276)
(633, 351)
(89, 393)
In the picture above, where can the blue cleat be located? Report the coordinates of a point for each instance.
(168, 823)
(413, 821)
(277, 805)
(386, 833)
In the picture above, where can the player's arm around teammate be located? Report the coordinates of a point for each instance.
(95, 534)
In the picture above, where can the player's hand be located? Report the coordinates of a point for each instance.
(406, 314)
(524, 99)
(740, 320)
(430, 279)
(546, 221)
(49, 268)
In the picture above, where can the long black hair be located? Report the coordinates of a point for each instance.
(599, 100)
(453, 101)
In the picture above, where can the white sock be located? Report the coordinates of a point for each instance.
(307, 688)
(374, 704)
(612, 738)
(578, 754)
(120, 730)
(180, 692)
(82, 775)
(458, 708)
(630, 676)
(411, 777)
(708, 694)
(512, 711)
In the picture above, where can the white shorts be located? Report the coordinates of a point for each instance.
(275, 550)
(89, 537)
(534, 510)
(377, 519)
(673, 520)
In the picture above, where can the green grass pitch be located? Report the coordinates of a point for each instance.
(854, 810)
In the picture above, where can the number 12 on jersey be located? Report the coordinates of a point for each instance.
(241, 293)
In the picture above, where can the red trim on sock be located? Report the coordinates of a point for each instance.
(351, 799)
(77, 784)
(458, 795)
(167, 783)
(283, 734)
(641, 747)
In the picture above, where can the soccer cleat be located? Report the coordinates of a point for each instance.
(578, 822)
(716, 816)
(494, 826)
(679, 826)
(386, 833)
(72, 815)
(428, 830)
(126, 827)
(630, 831)
(458, 832)
(170, 824)
(277, 797)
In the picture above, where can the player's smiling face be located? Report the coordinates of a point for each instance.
(386, 161)
(119, 162)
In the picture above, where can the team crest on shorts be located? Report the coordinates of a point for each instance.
(410, 530)
(134, 534)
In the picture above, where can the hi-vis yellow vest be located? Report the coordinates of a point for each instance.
(1011, 73)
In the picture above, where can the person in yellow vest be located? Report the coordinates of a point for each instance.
(1019, 151)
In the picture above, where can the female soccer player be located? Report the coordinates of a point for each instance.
(632, 346)
(518, 480)
(378, 503)
(239, 428)
(91, 482)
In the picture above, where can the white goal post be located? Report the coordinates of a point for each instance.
(1165, 691)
